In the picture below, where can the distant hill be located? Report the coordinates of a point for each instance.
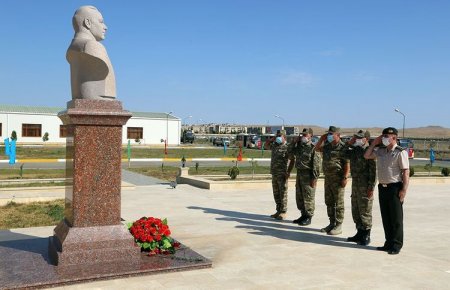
(421, 132)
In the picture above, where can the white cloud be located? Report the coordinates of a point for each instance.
(297, 78)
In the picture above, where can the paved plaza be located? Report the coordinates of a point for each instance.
(249, 250)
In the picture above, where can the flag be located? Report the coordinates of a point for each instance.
(239, 157)
(12, 152)
(432, 156)
(129, 150)
(7, 150)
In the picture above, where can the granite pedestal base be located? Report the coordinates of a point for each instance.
(91, 245)
(26, 264)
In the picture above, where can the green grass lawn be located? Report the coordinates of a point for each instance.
(53, 152)
(170, 172)
(59, 152)
(14, 173)
(195, 153)
(34, 214)
(50, 152)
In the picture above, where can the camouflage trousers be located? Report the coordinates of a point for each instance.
(361, 204)
(334, 198)
(280, 189)
(304, 193)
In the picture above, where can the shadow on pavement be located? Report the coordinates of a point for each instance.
(14, 243)
(265, 226)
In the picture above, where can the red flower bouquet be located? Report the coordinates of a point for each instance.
(153, 236)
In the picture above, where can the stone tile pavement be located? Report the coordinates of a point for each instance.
(251, 251)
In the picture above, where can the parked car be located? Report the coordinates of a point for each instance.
(408, 145)
(187, 137)
(219, 141)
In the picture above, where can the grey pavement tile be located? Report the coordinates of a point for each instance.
(251, 251)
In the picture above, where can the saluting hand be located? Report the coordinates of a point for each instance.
(344, 182)
(377, 140)
(313, 183)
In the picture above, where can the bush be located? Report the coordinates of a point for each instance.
(45, 137)
(13, 135)
(445, 171)
(411, 171)
(233, 172)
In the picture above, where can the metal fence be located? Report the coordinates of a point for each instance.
(440, 146)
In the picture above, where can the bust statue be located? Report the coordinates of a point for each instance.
(91, 72)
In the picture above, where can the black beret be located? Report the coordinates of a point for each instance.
(390, 130)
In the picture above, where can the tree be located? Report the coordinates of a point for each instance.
(45, 137)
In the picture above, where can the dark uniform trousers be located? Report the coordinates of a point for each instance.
(391, 214)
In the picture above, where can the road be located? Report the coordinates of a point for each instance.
(61, 165)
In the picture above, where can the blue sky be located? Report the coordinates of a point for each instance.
(348, 63)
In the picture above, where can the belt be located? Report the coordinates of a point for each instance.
(390, 184)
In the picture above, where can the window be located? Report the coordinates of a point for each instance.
(62, 131)
(135, 132)
(65, 131)
(31, 130)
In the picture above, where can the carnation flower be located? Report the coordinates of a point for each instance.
(152, 235)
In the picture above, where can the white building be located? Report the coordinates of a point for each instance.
(31, 123)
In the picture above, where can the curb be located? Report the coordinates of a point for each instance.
(144, 160)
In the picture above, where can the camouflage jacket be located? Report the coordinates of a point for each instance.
(334, 158)
(360, 167)
(279, 158)
(306, 157)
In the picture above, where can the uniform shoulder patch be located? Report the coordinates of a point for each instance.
(399, 148)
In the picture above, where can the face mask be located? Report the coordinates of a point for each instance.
(386, 141)
(358, 143)
(305, 140)
(330, 138)
(279, 140)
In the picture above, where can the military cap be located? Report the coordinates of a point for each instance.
(307, 131)
(362, 134)
(390, 130)
(334, 129)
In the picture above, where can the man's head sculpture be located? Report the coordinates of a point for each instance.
(92, 75)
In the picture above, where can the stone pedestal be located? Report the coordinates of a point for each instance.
(183, 171)
(92, 231)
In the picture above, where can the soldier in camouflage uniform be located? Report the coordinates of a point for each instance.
(278, 169)
(336, 169)
(307, 162)
(363, 182)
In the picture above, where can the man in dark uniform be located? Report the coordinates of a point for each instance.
(278, 169)
(363, 182)
(393, 181)
(307, 162)
(336, 169)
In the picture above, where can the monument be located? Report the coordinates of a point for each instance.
(91, 231)
(90, 242)
(91, 73)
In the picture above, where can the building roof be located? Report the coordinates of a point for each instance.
(55, 110)
(30, 109)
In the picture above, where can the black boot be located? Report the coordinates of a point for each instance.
(365, 238)
(306, 221)
(356, 238)
(297, 221)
